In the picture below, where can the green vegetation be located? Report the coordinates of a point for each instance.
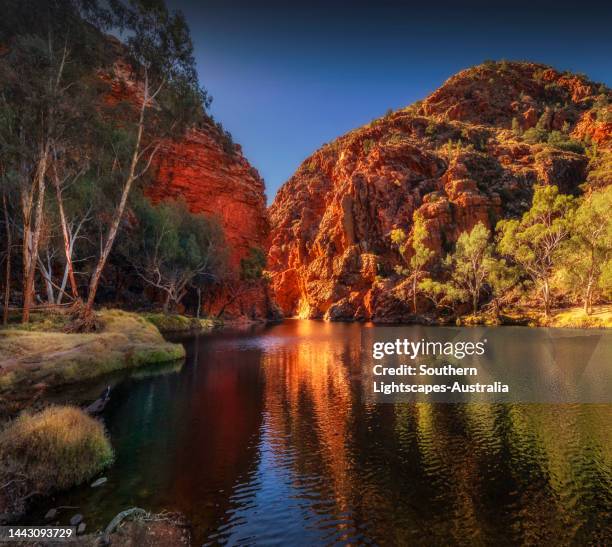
(600, 170)
(367, 145)
(253, 265)
(181, 323)
(76, 145)
(556, 139)
(470, 264)
(562, 141)
(414, 252)
(533, 135)
(560, 250)
(54, 358)
(173, 250)
(533, 242)
(586, 257)
(56, 448)
(577, 318)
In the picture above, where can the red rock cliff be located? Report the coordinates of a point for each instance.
(459, 157)
(214, 180)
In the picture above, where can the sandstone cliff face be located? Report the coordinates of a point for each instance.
(220, 184)
(223, 185)
(458, 158)
(214, 180)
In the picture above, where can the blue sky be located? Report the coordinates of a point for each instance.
(286, 77)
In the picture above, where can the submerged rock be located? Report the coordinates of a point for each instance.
(75, 520)
(99, 482)
(51, 514)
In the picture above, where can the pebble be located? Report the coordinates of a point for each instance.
(98, 482)
(51, 514)
(76, 520)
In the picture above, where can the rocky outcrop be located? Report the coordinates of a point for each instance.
(216, 182)
(221, 184)
(457, 158)
(212, 176)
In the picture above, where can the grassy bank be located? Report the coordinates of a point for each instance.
(576, 318)
(600, 318)
(174, 323)
(51, 450)
(42, 354)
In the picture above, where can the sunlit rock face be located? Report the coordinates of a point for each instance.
(213, 181)
(458, 158)
(214, 178)
(224, 185)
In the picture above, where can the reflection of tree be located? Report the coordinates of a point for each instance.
(470, 473)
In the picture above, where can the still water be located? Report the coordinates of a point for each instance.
(265, 437)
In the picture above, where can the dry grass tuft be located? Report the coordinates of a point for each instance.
(56, 448)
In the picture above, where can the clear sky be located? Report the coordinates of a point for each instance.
(286, 77)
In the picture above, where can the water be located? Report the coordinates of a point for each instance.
(265, 438)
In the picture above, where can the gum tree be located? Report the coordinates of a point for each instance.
(586, 253)
(169, 99)
(470, 264)
(414, 252)
(534, 241)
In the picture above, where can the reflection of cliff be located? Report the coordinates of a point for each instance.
(218, 426)
(309, 402)
(471, 473)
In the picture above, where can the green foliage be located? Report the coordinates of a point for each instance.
(441, 295)
(310, 166)
(469, 264)
(421, 254)
(501, 278)
(562, 141)
(535, 135)
(253, 265)
(395, 138)
(600, 170)
(585, 255)
(545, 120)
(431, 129)
(398, 237)
(367, 145)
(414, 251)
(534, 241)
(173, 248)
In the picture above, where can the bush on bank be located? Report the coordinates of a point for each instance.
(57, 448)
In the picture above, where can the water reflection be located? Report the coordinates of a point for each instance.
(266, 438)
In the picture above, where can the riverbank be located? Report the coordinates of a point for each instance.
(571, 318)
(40, 355)
(175, 323)
(48, 451)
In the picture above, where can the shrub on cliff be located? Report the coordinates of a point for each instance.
(535, 135)
(563, 142)
(253, 265)
(54, 449)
